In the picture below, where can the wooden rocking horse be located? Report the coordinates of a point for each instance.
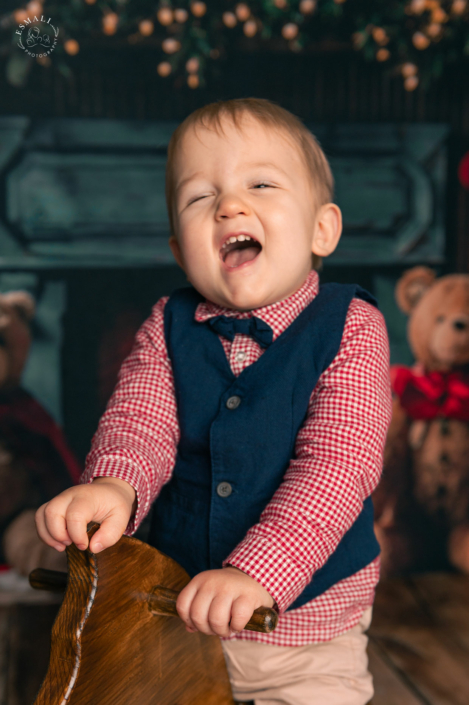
(113, 642)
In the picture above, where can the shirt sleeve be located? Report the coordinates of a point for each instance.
(338, 462)
(137, 436)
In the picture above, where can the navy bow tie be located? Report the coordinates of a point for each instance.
(255, 327)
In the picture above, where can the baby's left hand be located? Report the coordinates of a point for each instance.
(221, 602)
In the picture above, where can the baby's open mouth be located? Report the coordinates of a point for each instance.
(239, 249)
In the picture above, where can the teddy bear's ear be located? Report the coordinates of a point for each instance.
(23, 301)
(412, 285)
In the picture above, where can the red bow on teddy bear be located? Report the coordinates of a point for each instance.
(425, 395)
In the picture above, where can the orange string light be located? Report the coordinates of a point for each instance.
(72, 47)
(242, 12)
(164, 68)
(165, 16)
(379, 35)
(408, 69)
(198, 8)
(34, 7)
(289, 30)
(411, 83)
(20, 15)
(434, 29)
(229, 19)
(192, 65)
(250, 28)
(110, 22)
(383, 54)
(416, 7)
(420, 41)
(307, 6)
(146, 27)
(170, 45)
(180, 15)
(459, 7)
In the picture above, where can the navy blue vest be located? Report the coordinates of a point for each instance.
(248, 446)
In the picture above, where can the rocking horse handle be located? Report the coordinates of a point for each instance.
(161, 600)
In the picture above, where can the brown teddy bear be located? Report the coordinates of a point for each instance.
(422, 502)
(35, 462)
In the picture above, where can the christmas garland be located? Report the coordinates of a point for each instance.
(415, 38)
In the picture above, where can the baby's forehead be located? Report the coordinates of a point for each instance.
(246, 129)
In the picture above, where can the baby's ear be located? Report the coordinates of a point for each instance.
(327, 231)
(412, 286)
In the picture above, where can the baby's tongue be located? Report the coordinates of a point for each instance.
(239, 256)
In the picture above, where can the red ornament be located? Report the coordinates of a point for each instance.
(463, 171)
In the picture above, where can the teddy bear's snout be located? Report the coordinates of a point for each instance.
(450, 339)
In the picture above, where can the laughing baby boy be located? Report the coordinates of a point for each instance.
(252, 411)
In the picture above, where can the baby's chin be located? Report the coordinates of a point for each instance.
(247, 293)
(245, 300)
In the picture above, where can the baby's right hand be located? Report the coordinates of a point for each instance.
(107, 500)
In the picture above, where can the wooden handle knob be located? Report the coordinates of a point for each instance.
(52, 580)
(162, 601)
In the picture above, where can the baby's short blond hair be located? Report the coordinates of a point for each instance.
(270, 115)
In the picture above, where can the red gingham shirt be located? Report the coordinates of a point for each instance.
(338, 458)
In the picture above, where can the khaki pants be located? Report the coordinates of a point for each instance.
(330, 673)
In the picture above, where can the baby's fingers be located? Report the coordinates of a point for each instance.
(110, 531)
(79, 513)
(60, 538)
(199, 612)
(241, 612)
(219, 615)
(184, 602)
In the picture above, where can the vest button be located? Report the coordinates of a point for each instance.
(233, 402)
(224, 489)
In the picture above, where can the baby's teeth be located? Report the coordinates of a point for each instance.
(233, 238)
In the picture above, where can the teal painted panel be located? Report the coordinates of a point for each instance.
(396, 321)
(371, 193)
(12, 135)
(390, 185)
(389, 200)
(90, 134)
(86, 193)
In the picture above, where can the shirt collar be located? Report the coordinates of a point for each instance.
(278, 315)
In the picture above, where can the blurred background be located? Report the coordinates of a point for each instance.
(90, 93)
